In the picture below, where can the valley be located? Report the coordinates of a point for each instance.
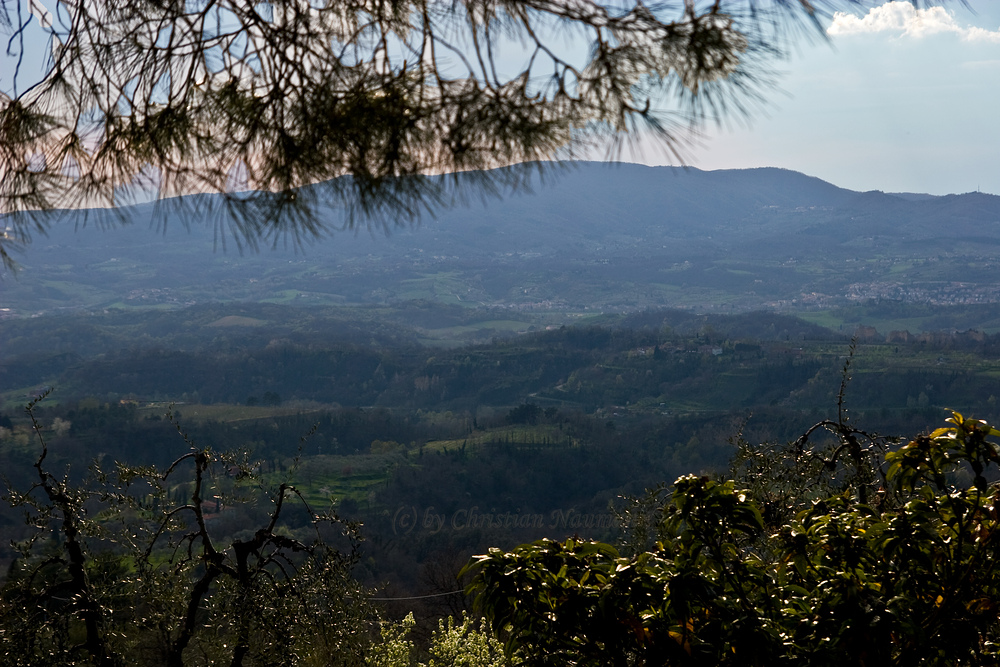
(597, 239)
(497, 374)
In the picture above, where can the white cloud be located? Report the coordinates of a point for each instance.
(902, 18)
(982, 35)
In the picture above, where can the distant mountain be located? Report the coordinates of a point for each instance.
(600, 236)
(912, 196)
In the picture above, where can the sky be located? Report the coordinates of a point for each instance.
(898, 100)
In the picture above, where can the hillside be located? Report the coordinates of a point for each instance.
(597, 238)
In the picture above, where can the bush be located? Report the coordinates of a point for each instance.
(892, 564)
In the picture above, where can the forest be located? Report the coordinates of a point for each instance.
(432, 455)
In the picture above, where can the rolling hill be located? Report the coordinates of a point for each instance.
(598, 238)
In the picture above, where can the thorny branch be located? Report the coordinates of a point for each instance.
(178, 573)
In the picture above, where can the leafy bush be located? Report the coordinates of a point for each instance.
(467, 644)
(888, 565)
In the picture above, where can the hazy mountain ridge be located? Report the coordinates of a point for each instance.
(600, 236)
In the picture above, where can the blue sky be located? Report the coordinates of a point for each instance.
(898, 100)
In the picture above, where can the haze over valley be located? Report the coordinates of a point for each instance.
(599, 238)
(536, 356)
